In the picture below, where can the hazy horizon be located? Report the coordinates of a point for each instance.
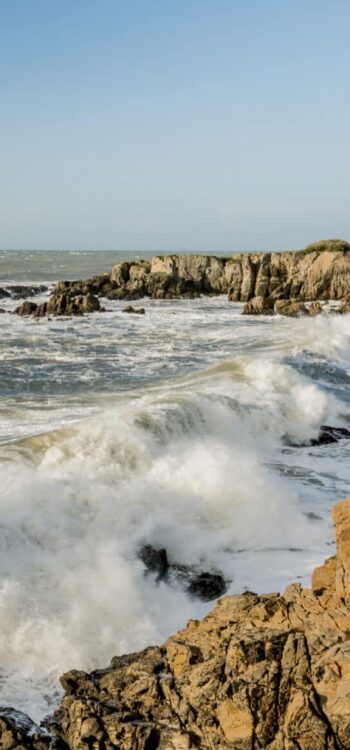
(173, 127)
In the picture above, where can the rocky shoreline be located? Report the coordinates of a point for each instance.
(260, 671)
(267, 283)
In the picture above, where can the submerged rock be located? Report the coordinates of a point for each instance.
(265, 671)
(134, 310)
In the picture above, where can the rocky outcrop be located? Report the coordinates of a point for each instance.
(61, 304)
(260, 671)
(266, 280)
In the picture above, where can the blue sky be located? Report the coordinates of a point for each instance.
(169, 125)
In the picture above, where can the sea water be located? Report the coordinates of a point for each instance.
(187, 428)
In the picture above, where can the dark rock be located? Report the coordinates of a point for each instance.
(330, 434)
(135, 310)
(4, 293)
(27, 308)
(22, 292)
(207, 586)
(2, 310)
(155, 560)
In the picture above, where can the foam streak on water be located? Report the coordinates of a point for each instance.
(179, 428)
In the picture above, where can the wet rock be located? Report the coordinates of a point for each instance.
(61, 304)
(315, 308)
(259, 306)
(207, 586)
(292, 308)
(27, 308)
(330, 434)
(134, 310)
(4, 293)
(2, 310)
(22, 292)
(203, 585)
(155, 560)
(344, 308)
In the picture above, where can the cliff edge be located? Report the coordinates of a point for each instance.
(266, 671)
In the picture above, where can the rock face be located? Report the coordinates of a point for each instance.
(260, 671)
(263, 280)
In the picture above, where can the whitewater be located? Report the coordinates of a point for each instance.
(187, 428)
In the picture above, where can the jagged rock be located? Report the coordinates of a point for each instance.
(263, 276)
(27, 308)
(207, 586)
(4, 293)
(155, 560)
(315, 308)
(135, 310)
(293, 308)
(61, 304)
(259, 306)
(204, 585)
(22, 292)
(330, 434)
(2, 310)
(261, 672)
(345, 307)
(248, 279)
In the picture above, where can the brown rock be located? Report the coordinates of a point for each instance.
(259, 306)
(293, 308)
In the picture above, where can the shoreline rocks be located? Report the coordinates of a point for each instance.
(278, 282)
(205, 585)
(259, 671)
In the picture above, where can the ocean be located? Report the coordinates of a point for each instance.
(187, 428)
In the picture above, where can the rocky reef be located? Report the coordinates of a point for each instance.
(263, 281)
(260, 671)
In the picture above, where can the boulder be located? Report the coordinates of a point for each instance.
(315, 308)
(207, 586)
(293, 308)
(259, 306)
(27, 308)
(155, 560)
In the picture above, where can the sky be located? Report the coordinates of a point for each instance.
(171, 125)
